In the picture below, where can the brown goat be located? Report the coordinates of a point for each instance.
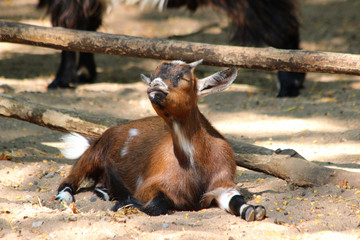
(176, 161)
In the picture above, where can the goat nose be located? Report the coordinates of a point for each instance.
(157, 82)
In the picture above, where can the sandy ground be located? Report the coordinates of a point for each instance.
(322, 125)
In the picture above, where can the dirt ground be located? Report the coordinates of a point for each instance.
(322, 124)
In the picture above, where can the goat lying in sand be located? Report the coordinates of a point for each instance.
(176, 161)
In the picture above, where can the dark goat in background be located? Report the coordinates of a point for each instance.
(253, 23)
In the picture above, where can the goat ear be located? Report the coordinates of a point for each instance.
(196, 63)
(217, 82)
(145, 79)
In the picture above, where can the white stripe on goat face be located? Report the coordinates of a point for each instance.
(159, 82)
(132, 134)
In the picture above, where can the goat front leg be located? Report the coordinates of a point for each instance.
(66, 73)
(230, 200)
(65, 193)
(68, 188)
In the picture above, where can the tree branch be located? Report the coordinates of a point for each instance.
(286, 164)
(217, 55)
(54, 118)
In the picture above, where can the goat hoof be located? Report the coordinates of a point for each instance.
(55, 85)
(65, 196)
(260, 212)
(248, 213)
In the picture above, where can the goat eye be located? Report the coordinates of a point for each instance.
(181, 77)
(176, 81)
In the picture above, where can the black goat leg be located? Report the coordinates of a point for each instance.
(66, 74)
(266, 23)
(86, 70)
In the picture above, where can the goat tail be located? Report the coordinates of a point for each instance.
(75, 145)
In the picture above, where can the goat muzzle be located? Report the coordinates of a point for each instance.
(156, 95)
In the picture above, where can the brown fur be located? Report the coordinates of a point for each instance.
(155, 154)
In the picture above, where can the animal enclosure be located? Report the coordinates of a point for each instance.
(322, 125)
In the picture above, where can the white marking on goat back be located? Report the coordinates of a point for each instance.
(184, 143)
(132, 133)
(224, 197)
(75, 145)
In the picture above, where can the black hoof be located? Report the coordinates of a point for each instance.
(56, 85)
